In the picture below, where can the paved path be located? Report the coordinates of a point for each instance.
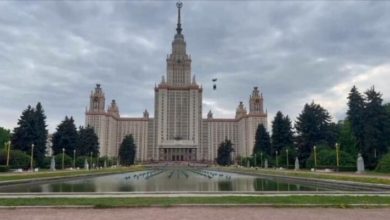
(195, 213)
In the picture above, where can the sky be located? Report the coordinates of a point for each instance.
(296, 52)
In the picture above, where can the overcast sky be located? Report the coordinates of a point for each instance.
(295, 51)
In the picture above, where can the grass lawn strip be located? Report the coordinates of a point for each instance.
(46, 175)
(336, 201)
(328, 176)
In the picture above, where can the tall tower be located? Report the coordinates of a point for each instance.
(178, 105)
(256, 101)
(97, 100)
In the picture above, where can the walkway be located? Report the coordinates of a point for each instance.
(196, 213)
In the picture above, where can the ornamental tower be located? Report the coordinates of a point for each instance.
(178, 105)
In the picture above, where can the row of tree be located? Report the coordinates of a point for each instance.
(32, 134)
(366, 130)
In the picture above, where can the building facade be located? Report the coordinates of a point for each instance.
(177, 132)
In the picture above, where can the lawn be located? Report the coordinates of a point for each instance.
(321, 201)
(66, 173)
(343, 176)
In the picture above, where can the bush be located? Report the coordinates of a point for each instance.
(384, 164)
(326, 158)
(4, 168)
(68, 161)
(18, 159)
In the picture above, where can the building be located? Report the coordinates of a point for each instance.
(177, 132)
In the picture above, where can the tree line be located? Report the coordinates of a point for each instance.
(365, 130)
(31, 136)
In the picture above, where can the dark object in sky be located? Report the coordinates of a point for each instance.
(214, 83)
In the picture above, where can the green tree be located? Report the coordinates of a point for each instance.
(355, 115)
(87, 142)
(282, 135)
(5, 136)
(66, 137)
(224, 153)
(40, 134)
(376, 128)
(127, 151)
(347, 140)
(23, 134)
(262, 141)
(31, 129)
(313, 127)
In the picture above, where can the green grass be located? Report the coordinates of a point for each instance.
(343, 176)
(335, 201)
(65, 173)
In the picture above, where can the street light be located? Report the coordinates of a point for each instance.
(276, 158)
(261, 159)
(8, 150)
(74, 159)
(315, 157)
(90, 155)
(32, 158)
(287, 157)
(63, 158)
(337, 156)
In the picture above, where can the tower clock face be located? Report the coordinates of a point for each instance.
(178, 61)
(257, 101)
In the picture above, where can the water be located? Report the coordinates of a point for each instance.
(174, 179)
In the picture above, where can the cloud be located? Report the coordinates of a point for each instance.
(296, 52)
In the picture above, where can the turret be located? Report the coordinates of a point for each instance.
(97, 100)
(241, 111)
(113, 109)
(146, 114)
(210, 115)
(256, 101)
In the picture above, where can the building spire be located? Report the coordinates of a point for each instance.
(179, 5)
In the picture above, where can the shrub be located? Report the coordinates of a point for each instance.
(18, 159)
(80, 161)
(326, 157)
(68, 162)
(4, 168)
(384, 164)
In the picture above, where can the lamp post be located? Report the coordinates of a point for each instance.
(74, 159)
(276, 158)
(32, 158)
(315, 157)
(90, 156)
(8, 150)
(287, 158)
(261, 159)
(63, 158)
(337, 156)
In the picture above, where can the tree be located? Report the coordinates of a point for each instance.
(87, 142)
(376, 128)
(346, 139)
(40, 134)
(127, 151)
(23, 136)
(224, 153)
(313, 128)
(5, 136)
(65, 137)
(262, 141)
(31, 129)
(355, 115)
(282, 135)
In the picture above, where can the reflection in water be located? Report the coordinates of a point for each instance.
(173, 179)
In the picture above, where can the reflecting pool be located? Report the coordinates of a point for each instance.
(164, 180)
